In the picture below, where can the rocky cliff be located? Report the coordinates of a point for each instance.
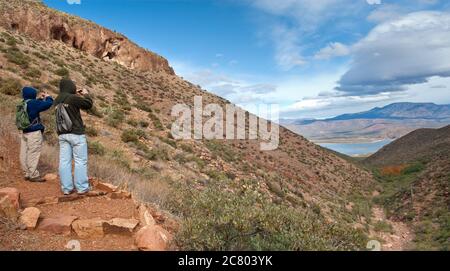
(34, 19)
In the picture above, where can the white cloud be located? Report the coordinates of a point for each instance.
(288, 51)
(238, 91)
(297, 22)
(335, 49)
(400, 52)
(386, 12)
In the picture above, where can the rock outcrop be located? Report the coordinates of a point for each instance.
(30, 217)
(42, 23)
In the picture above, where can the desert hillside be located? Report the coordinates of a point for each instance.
(414, 172)
(221, 194)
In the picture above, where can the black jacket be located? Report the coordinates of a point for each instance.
(76, 103)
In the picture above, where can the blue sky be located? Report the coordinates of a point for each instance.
(315, 58)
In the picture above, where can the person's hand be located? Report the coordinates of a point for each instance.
(44, 95)
(83, 91)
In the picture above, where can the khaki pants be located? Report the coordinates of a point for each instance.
(30, 151)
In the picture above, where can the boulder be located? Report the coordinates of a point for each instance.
(8, 209)
(145, 218)
(30, 217)
(89, 228)
(152, 238)
(107, 187)
(57, 225)
(13, 195)
(51, 177)
(120, 226)
(120, 195)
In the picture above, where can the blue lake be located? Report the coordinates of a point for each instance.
(355, 149)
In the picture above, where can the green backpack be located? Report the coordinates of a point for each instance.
(22, 118)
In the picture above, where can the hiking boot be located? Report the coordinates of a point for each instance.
(68, 193)
(85, 193)
(37, 180)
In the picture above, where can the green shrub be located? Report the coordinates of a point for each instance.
(115, 118)
(156, 121)
(221, 149)
(168, 141)
(383, 226)
(133, 135)
(244, 219)
(33, 73)
(187, 148)
(91, 131)
(414, 168)
(14, 55)
(39, 55)
(143, 124)
(160, 153)
(143, 106)
(96, 148)
(132, 122)
(10, 87)
(129, 136)
(63, 72)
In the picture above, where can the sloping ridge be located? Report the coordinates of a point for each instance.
(417, 145)
(42, 23)
(132, 134)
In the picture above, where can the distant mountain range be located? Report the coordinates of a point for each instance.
(389, 122)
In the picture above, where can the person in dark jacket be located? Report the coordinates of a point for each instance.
(73, 145)
(31, 139)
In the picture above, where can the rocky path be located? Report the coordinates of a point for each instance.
(36, 216)
(399, 239)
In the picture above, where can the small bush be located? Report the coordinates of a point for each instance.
(10, 87)
(168, 141)
(158, 154)
(14, 55)
(33, 73)
(132, 135)
(143, 124)
(415, 168)
(383, 226)
(91, 131)
(132, 122)
(129, 136)
(96, 148)
(63, 72)
(156, 121)
(144, 107)
(115, 118)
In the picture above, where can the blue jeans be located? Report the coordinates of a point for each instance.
(73, 146)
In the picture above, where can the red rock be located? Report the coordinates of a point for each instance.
(145, 218)
(57, 225)
(120, 195)
(120, 225)
(7, 209)
(152, 238)
(89, 228)
(109, 188)
(30, 217)
(51, 177)
(13, 195)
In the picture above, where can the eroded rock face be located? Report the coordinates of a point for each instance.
(42, 23)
